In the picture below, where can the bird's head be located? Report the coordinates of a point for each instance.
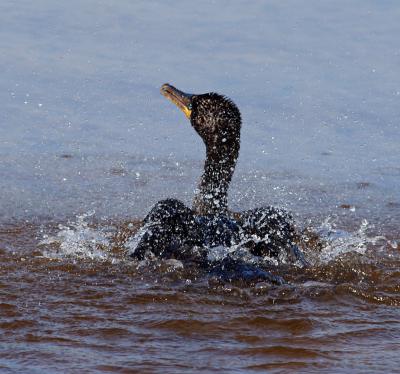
(214, 117)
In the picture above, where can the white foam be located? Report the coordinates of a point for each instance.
(339, 242)
(77, 239)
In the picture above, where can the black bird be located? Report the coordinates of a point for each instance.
(170, 225)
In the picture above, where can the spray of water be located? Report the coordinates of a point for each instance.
(337, 242)
(79, 239)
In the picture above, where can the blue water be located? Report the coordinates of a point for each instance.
(85, 128)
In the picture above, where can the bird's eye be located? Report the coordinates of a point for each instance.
(189, 106)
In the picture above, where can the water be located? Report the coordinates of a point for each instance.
(88, 143)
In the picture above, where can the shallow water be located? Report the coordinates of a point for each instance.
(88, 143)
(73, 301)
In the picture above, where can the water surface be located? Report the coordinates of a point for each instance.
(88, 143)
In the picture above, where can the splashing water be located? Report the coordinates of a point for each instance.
(79, 240)
(337, 242)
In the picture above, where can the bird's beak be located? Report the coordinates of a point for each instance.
(181, 99)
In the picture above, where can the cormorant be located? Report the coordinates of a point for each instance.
(170, 225)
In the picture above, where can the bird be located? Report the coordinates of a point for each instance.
(170, 226)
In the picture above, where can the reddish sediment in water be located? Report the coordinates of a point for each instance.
(106, 314)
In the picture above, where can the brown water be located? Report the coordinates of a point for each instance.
(83, 127)
(73, 303)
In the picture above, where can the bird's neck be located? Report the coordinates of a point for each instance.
(212, 195)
